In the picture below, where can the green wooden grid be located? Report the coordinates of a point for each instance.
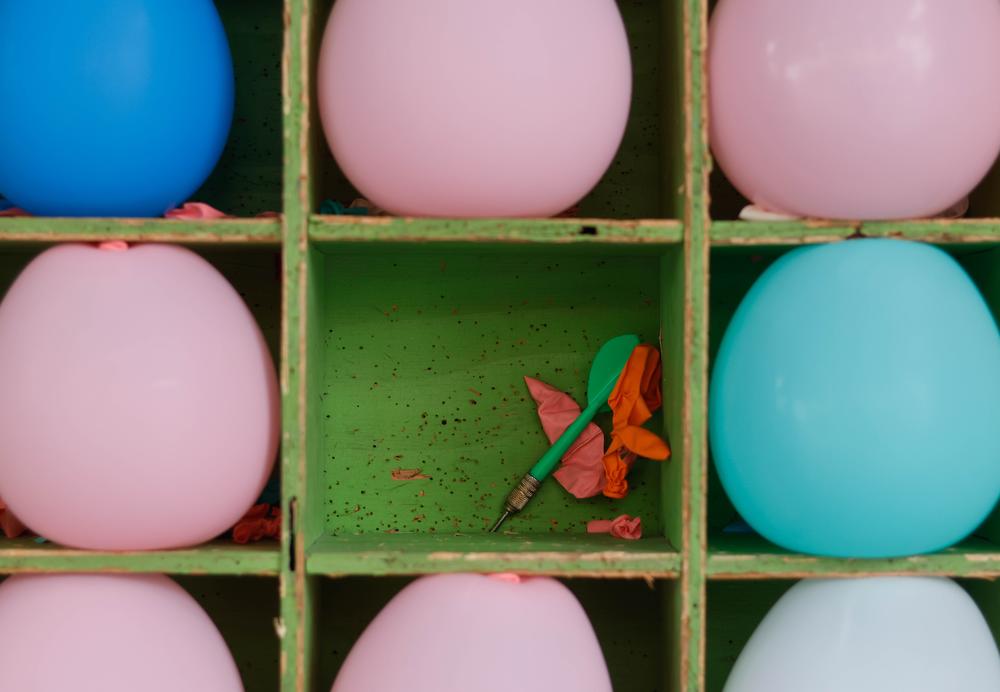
(220, 557)
(679, 560)
(209, 232)
(567, 555)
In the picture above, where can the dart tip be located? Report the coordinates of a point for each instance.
(501, 520)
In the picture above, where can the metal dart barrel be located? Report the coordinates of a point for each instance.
(518, 498)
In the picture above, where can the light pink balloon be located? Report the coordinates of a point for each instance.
(869, 109)
(475, 107)
(109, 633)
(472, 633)
(139, 406)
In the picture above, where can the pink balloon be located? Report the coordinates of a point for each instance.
(139, 406)
(869, 109)
(109, 633)
(472, 633)
(471, 108)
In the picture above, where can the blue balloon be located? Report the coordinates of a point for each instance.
(111, 107)
(855, 402)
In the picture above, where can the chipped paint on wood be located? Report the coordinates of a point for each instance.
(814, 231)
(679, 559)
(204, 231)
(751, 557)
(218, 557)
(409, 475)
(573, 555)
(351, 229)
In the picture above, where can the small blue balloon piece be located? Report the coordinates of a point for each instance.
(855, 400)
(112, 107)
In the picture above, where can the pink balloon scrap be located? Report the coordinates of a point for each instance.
(625, 527)
(582, 470)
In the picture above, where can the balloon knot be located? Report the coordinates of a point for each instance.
(508, 577)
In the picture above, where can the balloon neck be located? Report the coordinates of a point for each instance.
(507, 577)
(113, 246)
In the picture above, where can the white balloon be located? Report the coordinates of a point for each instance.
(870, 635)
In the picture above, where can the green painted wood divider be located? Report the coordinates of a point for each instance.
(402, 344)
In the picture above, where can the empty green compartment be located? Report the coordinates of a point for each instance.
(417, 367)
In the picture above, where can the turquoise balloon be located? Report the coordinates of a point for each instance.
(855, 402)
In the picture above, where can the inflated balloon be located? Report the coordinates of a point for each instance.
(870, 635)
(854, 401)
(871, 109)
(463, 632)
(122, 107)
(139, 406)
(474, 107)
(109, 633)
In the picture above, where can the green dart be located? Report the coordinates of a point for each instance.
(604, 373)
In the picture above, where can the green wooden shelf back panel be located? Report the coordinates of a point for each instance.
(423, 355)
(987, 597)
(734, 611)
(247, 180)
(245, 610)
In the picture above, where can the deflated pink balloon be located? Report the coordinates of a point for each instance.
(472, 633)
(109, 633)
(139, 406)
(869, 109)
(475, 107)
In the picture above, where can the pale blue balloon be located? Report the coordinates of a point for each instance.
(855, 401)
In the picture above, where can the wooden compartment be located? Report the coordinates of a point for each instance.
(246, 610)
(413, 337)
(416, 360)
(732, 550)
(727, 202)
(255, 272)
(736, 608)
(631, 619)
(644, 181)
